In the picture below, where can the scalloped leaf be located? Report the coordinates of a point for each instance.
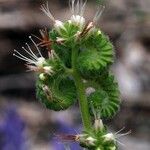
(96, 55)
(59, 93)
(106, 99)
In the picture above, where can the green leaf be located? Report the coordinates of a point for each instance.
(59, 93)
(106, 99)
(96, 55)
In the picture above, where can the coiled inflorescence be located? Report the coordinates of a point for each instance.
(75, 47)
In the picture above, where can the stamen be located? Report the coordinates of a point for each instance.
(77, 8)
(120, 142)
(45, 9)
(120, 130)
(82, 9)
(124, 134)
(31, 51)
(98, 14)
(72, 6)
(80, 6)
(37, 36)
(44, 33)
(19, 55)
(35, 46)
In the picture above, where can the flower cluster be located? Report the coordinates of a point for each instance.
(79, 56)
(97, 139)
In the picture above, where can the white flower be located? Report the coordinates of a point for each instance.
(32, 58)
(77, 9)
(78, 20)
(57, 24)
(90, 141)
(40, 62)
(48, 70)
(86, 139)
(34, 62)
(115, 137)
(109, 137)
(98, 124)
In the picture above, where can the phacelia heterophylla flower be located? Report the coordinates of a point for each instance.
(78, 57)
(97, 139)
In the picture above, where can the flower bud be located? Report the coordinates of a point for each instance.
(91, 141)
(99, 32)
(42, 76)
(113, 148)
(48, 70)
(58, 25)
(98, 124)
(85, 139)
(109, 137)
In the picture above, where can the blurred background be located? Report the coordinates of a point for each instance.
(24, 123)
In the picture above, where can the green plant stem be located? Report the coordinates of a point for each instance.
(83, 103)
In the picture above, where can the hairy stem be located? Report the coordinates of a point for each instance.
(83, 103)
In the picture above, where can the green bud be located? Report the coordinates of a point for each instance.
(42, 76)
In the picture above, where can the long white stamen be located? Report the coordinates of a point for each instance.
(23, 57)
(45, 9)
(31, 51)
(120, 142)
(124, 134)
(80, 6)
(77, 9)
(120, 130)
(35, 46)
(72, 7)
(98, 13)
(83, 8)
